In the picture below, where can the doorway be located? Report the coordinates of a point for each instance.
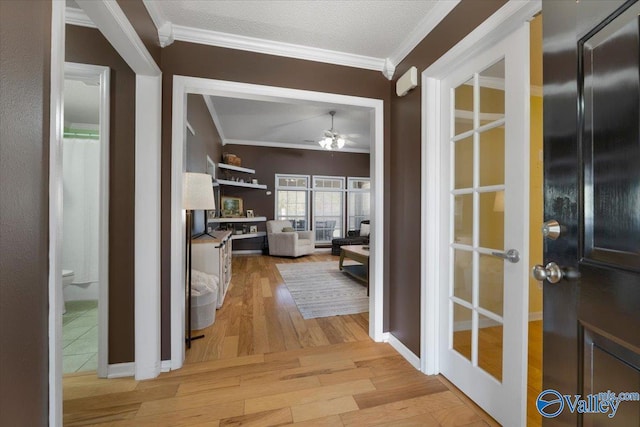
(189, 85)
(85, 219)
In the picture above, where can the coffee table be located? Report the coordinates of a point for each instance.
(358, 253)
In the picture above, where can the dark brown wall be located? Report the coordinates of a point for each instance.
(206, 141)
(197, 60)
(139, 17)
(25, 44)
(267, 161)
(88, 46)
(403, 247)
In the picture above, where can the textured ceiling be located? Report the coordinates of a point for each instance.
(372, 28)
(281, 123)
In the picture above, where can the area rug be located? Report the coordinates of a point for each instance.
(319, 289)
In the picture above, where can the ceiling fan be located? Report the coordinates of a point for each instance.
(332, 139)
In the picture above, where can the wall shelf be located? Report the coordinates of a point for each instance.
(248, 235)
(235, 168)
(241, 219)
(241, 184)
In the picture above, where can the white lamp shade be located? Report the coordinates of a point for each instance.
(197, 191)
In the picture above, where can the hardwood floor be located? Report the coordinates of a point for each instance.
(261, 364)
(259, 316)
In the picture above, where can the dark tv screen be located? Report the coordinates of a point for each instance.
(198, 225)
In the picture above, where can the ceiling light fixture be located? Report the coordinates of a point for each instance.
(331, 138)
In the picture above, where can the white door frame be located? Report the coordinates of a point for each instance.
(109, 18)
(85, 72)
(184, 85)
(512, 15)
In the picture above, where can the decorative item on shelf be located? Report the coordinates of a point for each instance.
(231, 207)
(254, 181)
(196, 195)
(250, 213)
(253, 229)
(231, 159)
(238, 229)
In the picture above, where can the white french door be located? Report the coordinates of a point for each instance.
(484, 228)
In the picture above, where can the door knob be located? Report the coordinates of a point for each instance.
(551, 272)
(551, 229)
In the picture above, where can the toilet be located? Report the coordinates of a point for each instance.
(67, 279)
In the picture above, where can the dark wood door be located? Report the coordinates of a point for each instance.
(592, 188)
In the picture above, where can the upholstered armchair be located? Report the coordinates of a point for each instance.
(284, 241)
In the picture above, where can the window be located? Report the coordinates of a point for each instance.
(328, 207)
(359, 201)
(292, 200)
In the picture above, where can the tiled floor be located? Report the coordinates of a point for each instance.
(80, 336)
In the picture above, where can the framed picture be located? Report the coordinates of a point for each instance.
(231, 207)
(250, 213)
(253, 229)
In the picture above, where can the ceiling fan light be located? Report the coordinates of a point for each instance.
(332, 140)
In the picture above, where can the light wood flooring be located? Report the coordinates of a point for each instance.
(261, 364)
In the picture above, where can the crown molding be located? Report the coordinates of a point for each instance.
(165, 34)
(168, 33)
(78, 17)
(214, 116)
(292, 146)
(389, 69)
(164, 27)
(269, 47)
(156, 15)
(424, 27)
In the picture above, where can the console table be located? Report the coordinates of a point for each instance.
(358, 253)
(212, 255)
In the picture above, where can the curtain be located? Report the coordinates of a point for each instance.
(81, 166)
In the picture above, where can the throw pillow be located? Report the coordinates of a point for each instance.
(364, 229)
(287, 229)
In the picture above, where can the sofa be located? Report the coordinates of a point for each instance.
(285, 241)
(354, 237)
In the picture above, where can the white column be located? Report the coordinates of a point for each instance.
(147, 226)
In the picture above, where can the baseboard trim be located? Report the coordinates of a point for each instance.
(165, 366)
(121, 370)
(403, 350)
(247, 252)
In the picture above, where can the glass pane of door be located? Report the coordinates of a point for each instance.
(491, 89)
(477, 144)
(462, 331)
(490, 346)
(463, 107)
